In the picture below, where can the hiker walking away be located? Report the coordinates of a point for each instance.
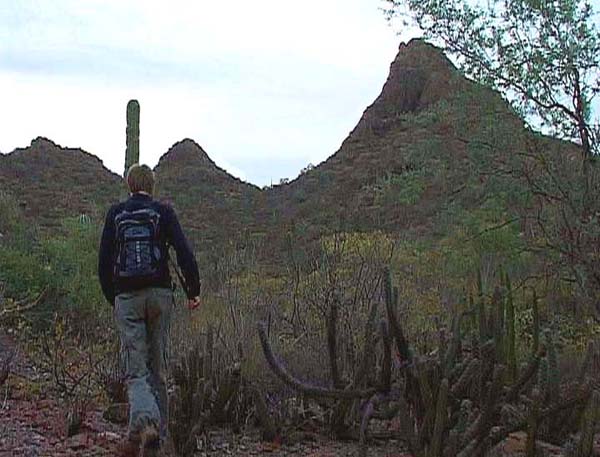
(134, 275)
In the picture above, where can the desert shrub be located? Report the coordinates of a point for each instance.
(62, 265)
(72, 258)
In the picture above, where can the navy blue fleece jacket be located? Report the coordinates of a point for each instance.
(170, 234)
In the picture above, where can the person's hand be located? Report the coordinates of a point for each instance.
(193, 303)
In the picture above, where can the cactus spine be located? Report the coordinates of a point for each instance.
(132, 153)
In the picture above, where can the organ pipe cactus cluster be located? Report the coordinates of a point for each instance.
(466, 400)
(207, 390)
(132, 153)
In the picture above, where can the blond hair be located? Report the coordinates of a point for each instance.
(140, 178)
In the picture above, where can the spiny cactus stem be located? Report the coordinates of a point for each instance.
(553, 373)
(453, 348)
(536, 322)
(369, 347)
(511, 351)
(440, 419)
(528, 373)
(424, 386)
(590, 420)
(407, 430)
(386, 369)
(532, 426)
(332, 321)
(489, 409)
(585, 364)
(467, 376)
(498, 310)
(481, 309)
(391, 299)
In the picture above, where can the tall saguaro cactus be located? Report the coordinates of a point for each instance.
(132, 153)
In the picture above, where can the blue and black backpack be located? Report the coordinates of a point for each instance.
(138, 252)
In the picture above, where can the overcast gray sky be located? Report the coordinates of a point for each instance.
(264, 86)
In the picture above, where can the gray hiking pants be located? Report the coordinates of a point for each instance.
(143, 318)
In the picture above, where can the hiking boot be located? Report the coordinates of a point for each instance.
(150, 442)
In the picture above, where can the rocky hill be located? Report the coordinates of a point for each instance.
(51, 182)
(214, 205)
(408, 160)
(407, 152)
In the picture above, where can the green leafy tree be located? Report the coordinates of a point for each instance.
(543, 55)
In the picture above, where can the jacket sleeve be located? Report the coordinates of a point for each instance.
(105, 258)
(185, 255)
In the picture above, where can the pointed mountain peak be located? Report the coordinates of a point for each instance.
(43, 143)
(420, 76)
(186, 152)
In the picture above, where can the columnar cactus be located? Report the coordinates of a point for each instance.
(536, 322)
(132, 153)
(553, 373)
(542, 381)
(481, 311)
(533, 423)
(441, 413)
(511, 350)
(498, 319)
(589, 422)
(466, 398)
